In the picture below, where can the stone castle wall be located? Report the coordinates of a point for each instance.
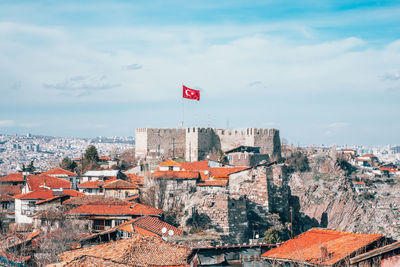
(155, 142)
(196, 143)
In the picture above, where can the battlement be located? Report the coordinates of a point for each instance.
(195, 143)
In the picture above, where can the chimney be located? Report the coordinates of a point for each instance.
(324, 253)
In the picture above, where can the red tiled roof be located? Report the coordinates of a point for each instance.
(213, 183)
(223, 172)
(176, 174)
(120, 184)
(135, 179)
(169, 163)
(72, 193)
(35, 181)
(115, 209)
(5, 198)
(356, 182)
(139, 250)
(105, 158)
(306, 248)
(58, 171)
(11, 190)
(195, 166)
(96, 200)
(91, 184)
(12, 177)
(41, 193)
(135, 197)
(155, 225)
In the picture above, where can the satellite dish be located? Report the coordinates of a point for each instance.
(171, 232)
(163, 230)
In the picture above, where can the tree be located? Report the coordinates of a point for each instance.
(271, 236)
(91, 154)
(31, 167)
(68, 164)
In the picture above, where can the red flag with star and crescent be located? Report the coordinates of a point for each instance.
(191, 93)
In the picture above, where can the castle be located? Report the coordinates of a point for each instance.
(195, 143)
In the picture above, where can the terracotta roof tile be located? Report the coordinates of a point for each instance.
(11, 190)
(222, 183)
(12, 177)
(306, 248)
(90, 261)
(115, 209)
(155, 225)
(195, 166)
(96, 200)
(92, 184)
(120, 184)
(58, 171)
(35, 181)
(105, 158)
(139, 250)
(40, 193)
(176, 175)
(170, 163)
(223, 172)
(139, 180)
(388, 169)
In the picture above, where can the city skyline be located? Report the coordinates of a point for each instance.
(321, 73)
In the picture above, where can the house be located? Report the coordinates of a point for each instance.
(106, 216)
(120, 189)
(138, 250)
(135, 179)
(367, 160)
(322, 247)
(101, 175)
(63, 174)
(386, 256)
(26, 204)
(34, 182)
(92, 187)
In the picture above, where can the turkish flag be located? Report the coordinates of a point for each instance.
(191, 93)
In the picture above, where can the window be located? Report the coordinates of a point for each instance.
(108, 223)
(5, 205)
(118, 222)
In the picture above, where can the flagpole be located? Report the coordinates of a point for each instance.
(183, 111)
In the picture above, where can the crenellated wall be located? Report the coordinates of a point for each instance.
(196, 143)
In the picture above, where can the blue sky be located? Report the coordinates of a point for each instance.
(322, 72)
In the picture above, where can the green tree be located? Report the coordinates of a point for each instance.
(31, 167)
(271, 236)
(91, 155)
(68, 164)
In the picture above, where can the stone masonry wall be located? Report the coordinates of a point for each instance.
(196, 143)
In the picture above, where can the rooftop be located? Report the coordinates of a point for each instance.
(306, 248)
(35, 181)
(131, 209)
(12, 177)
(223, 172)
(169, 163)
(139, 250)
(120, 184)
(176, 174)
(59, 171)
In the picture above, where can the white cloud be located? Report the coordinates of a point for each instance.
(225, 59)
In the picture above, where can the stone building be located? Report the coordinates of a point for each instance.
(195, 143)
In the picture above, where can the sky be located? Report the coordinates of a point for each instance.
(322, 72)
